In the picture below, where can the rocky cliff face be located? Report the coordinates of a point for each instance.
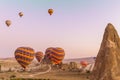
(107, 65)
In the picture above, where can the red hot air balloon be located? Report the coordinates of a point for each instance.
(55, 55)
(24, 56)
(39, 56)
(84, 63)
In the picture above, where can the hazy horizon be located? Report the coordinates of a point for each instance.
(76, 26)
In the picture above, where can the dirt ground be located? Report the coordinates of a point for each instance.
(64, 76)
(53, 75)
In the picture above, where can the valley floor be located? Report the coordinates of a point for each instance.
(53, 75)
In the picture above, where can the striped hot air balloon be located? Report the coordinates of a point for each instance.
(39, 56)
(55, 55)
(24, 56)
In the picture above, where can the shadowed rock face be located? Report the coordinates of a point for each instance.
(107, 65)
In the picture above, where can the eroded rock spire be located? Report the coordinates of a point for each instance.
(107, 65)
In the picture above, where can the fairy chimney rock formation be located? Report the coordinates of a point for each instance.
(107, 64)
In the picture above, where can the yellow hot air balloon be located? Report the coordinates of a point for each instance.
(8, 22)
(20, 14)
(39, 56)
(55, 55)
(24, 56)
(50, 11)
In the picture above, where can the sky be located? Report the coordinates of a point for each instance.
(77, 26)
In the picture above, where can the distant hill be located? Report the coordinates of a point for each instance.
(8, 58)
(88, 59)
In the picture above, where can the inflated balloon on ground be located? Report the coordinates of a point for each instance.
(84, 63)
(55, 55)
(24, 56)
(39, 56)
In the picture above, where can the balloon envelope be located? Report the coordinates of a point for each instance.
(20, 14)
(84, 63)
(24, 56)
(8, 22)
(50, 11)
(55, 55)
(39, 56)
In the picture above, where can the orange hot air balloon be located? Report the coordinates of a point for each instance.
(24, 56)
(20, 14)
(55, 55)
(84, 63)
(8, 22)
(39, 56)
(50, 11)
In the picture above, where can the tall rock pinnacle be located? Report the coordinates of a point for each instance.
(107, 64)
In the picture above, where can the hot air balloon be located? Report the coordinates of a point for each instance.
(50, 11)
(55, 55)
(24, 56)
(84, 63)
(39, 56)
(20, 14)
(8, 22)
